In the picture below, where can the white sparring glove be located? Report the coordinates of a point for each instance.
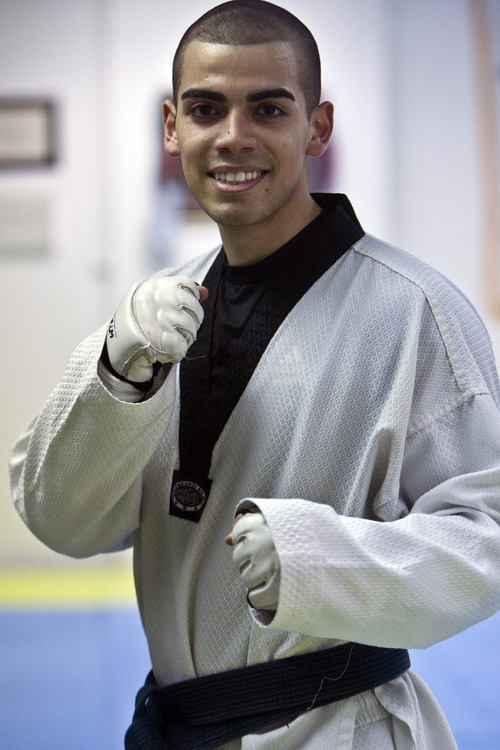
(257, 561)
(157, 321)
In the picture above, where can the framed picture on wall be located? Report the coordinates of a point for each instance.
(27, 133)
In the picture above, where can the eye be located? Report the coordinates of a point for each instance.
(271, 111)
(202, 111)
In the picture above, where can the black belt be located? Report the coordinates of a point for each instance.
(205, 712)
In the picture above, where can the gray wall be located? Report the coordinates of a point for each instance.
(405, 151)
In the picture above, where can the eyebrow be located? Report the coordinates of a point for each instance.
(257, 96)
(271, 94)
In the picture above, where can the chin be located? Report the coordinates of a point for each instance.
(232, 216)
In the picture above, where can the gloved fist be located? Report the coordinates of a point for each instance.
(157, 321)
(257, 561)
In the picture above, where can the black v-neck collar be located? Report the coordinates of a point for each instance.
(206, 406)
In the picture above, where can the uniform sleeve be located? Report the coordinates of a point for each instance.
(413, 581)
(76, 472)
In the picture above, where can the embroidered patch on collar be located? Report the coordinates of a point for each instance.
(188, 496)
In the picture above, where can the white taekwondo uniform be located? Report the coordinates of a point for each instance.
(369, 437)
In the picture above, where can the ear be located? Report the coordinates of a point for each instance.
(170, 142)
(321, 129)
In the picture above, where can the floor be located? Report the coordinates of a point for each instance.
(68, 680)
(68, 677)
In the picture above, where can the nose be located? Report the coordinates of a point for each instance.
(236, 133)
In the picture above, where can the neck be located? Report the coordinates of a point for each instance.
(246, 245)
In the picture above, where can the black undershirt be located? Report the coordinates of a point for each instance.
(239, 292)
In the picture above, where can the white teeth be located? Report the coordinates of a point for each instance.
(236, 176)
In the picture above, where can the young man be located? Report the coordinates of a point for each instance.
(333, 394)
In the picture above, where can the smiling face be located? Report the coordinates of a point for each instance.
(241, 129)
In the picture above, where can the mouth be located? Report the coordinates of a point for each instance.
(236, 179)
(242, 176)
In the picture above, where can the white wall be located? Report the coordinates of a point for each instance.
(405, 152)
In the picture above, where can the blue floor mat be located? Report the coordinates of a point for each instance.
(464, 675)
(68, 680)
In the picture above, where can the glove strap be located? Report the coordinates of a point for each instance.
(144, 387)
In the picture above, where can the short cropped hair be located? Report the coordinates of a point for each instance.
(256, 22)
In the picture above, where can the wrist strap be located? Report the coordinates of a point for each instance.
(143, 387)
